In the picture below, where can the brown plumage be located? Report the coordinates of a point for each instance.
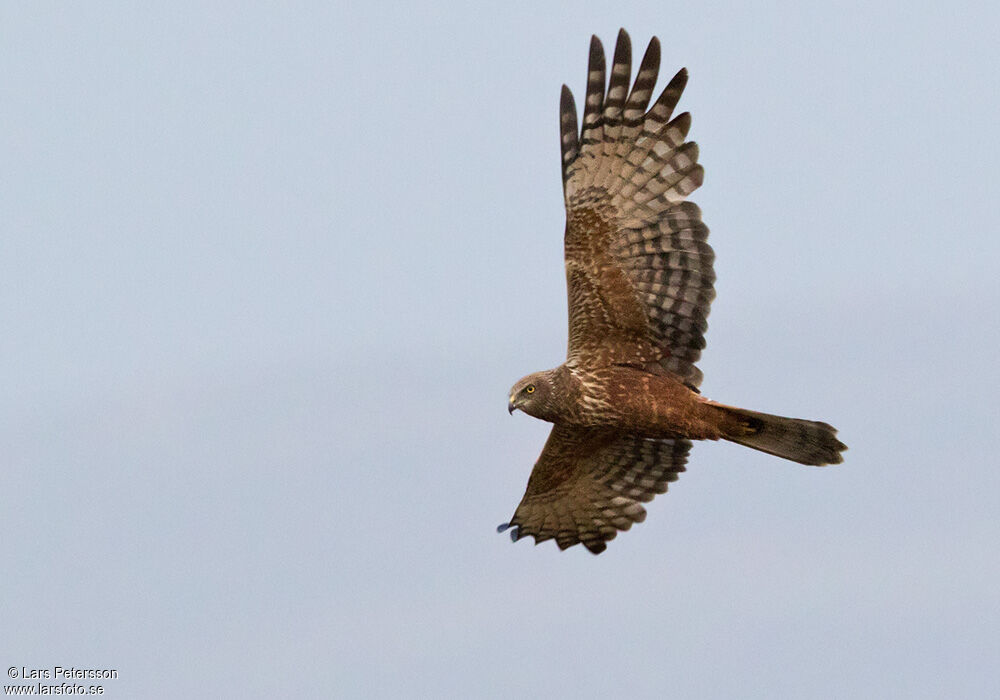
(625, 404)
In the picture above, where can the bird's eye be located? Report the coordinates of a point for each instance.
(530, 389)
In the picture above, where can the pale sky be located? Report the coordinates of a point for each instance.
(268, 271)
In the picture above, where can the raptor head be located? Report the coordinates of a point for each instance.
(531, 394)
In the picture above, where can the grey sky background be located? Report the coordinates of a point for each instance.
(267, 272)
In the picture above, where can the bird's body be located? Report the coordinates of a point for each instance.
(639, 276)
(653, 404)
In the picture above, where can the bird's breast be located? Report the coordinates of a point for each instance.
(653, 405)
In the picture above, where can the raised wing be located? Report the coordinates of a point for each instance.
(638, 268)
(589, 483)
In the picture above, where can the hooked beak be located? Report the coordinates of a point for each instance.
(510, 405)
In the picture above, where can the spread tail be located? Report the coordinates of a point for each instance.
(803, 441)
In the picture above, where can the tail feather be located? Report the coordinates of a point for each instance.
(803, 441)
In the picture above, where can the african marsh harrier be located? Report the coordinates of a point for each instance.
(625, 404)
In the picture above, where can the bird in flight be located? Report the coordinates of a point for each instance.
(625, 405)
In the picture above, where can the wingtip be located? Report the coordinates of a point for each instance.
(653, 50)
(596, 51)
(698, 175)
(623, 50)
(683, 122)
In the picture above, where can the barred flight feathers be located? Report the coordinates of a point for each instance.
(591, 131)
(625, 181)
(589, 484)
(567, 124)
(642, 90)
